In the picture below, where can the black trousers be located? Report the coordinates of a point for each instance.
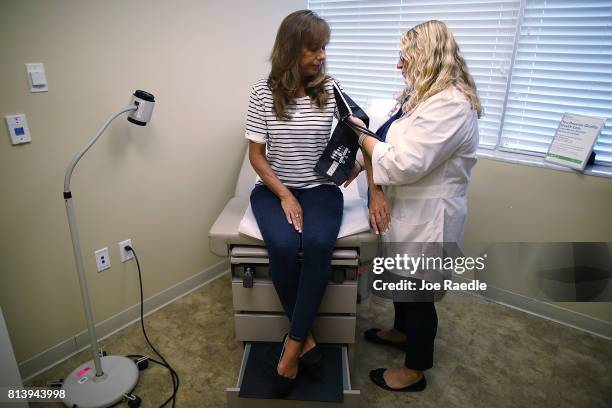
(419, 321)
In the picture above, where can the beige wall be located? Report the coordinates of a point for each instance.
(511, 202)
(518, 203)
(162, 185)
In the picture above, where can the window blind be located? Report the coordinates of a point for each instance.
(563, 63)
(364, 46)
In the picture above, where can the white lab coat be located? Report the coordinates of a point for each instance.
(425, 168)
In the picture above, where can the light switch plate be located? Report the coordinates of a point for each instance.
(37, 78)
(18, 128)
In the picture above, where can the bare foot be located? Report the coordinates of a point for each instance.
(288, 364)
(401, 377)
(309, 344)
(392, 335)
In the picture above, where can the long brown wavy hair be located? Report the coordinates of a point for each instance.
(434, 63)
(299, 30)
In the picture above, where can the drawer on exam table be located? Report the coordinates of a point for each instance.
(338, 298)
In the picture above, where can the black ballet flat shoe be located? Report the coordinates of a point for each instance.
(312, 362)
(377, 378)
(281, 385)
(372, 336)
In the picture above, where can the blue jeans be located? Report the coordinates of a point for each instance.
(300, 289)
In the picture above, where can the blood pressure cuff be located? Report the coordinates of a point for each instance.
(338, 159)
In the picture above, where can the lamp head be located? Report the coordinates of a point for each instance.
(145, 102)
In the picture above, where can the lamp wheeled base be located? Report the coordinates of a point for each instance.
(85, 390)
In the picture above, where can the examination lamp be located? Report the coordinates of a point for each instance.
(105, 380)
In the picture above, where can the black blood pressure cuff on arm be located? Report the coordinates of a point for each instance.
(338, 159)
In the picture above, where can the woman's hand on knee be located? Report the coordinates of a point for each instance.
(293, 211)
(380, 216)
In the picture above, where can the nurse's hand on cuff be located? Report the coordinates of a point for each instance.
(356, 120)
(380, 216)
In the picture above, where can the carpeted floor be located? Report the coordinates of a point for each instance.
(487, 355)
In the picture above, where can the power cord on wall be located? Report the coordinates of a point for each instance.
(142, 360)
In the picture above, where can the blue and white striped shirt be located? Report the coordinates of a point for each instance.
(293, 146)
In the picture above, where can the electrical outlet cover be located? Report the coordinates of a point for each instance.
(125, 255)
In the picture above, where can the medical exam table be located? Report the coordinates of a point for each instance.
(258, 314)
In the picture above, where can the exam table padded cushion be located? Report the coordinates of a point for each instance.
(224, 232)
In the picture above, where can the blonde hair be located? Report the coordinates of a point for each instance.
(434, 63)
(300, 29)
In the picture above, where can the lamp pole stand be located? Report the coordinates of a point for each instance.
(102, 381)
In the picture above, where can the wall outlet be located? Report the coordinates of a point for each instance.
(125, 254)
(102, 259)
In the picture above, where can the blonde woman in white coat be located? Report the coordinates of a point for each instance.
(423, 168)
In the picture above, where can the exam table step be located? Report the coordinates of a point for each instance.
(253, 388)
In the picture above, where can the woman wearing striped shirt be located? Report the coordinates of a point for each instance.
(288, 126)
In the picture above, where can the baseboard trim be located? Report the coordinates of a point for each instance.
(561, 315)
(60, 352)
